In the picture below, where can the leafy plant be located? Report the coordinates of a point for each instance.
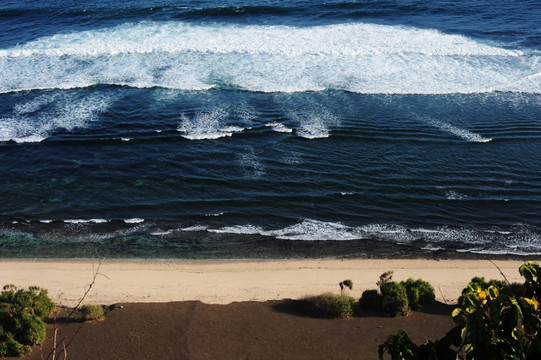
(512, 289)
(399, 346)
(22, 314)
(92, 312)
(488, 325)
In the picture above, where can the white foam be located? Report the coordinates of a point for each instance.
(195, 228)
(317, 230)
(522, 240)
(134, 221)
(207, 125)
(461, 133)
(432, 248)
(314, 123)
(161, 233)
(453, 195)
(279, 127)
(352, 39)
(239, 229)
(305, 230)
(357, 57)
(36, 104)
(214, 215)
(500, 252)
(250, 163)
(85, 221)
(66, 112)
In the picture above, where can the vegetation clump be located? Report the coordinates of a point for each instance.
(397, 298)
(394, 298)
(22, 315)
(419, 292)
(92, 312)
(489, 324)
(329, 305)
(346, 284)
(371, 300)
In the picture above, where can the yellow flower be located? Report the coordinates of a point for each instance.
(482, 295)
(534, 303)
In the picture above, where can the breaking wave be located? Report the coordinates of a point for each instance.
(356, 57)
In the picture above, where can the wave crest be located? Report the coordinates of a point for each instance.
(356, 57)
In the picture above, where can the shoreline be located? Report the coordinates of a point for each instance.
(226, 281)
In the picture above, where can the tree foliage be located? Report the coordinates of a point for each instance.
(489, 324)
(22, 315)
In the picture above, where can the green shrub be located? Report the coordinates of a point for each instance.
(21, 319)
(394, 298)
(329, 305)
(419, 292)
(488, 325)
(35, 299)
(11, 347)
(34, 327)
(92, 312)
(371, 300)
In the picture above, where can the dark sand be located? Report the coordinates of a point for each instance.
(242, 330)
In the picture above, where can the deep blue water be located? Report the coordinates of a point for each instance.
(270, 128)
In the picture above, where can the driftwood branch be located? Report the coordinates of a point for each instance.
(52, 355)
(501, 272)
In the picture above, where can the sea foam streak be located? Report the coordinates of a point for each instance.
(54, 111)
(358, 57)
(485, 241)
(461, 133)
(210, 124)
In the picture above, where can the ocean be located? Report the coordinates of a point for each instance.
(270, 129)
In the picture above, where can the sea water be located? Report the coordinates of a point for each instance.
(263, 128)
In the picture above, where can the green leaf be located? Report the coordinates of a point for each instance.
(493, 292)
(527, 272)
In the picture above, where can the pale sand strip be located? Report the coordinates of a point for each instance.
(223, 281)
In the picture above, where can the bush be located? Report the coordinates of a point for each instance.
(35, 330)
(21, 319)
(92, 312)
(370, 300)
(329, 305)
(394, 298)
(11, 347)
(488, 325)
(419, 292)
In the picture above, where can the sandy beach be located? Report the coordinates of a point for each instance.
(226, 281)
(238, 309)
